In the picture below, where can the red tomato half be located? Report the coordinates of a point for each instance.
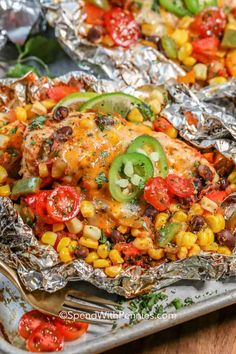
(63, 203)
(70, 330)
(205, 49)
(156, 193)
(56, 93)
(217, 196)
(127, 249)
(45, 338)
(30, 321)
(161, 125)
(122, 27)
(210, 22)
(180, 186)
(95, 15)
(41, 207)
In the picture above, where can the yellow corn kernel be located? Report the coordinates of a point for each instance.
(208, 204)
(200, 71)
(174, 207)
(102, 251)
(195, 209)
(135, 116)
(64, 242)
(179, 216)
(65, 255)
(30, 114)
(213, 247)
(155, 105)
(160, 220)
(5, 191)
(221, 53)
(123, 229)
(232, 177)
(157, 94)
(3, 174)
(101, 263)
(182, 253)
(49, 104)
(43, 170)
(185, 239)
(21, 114)
(171, 256)
(224, 250)
(88, 242)
(115, 257)
(185, 22)
(74, 226)
(215, 222)
(73, 245)
(58, 227)
(156, 254)
(171, 132)
(49, 238)
(139, 232)
(180, 36)
(185, 51)
(217, 80)
(91, 257)
(86, 123)
(149, 43)
(92, 232)
(87, 209)
(58, 168)
(189, 61)
(39, 108)
(194, 251)
(143, 244)
(148, 29)
(113, 271)
(205, 237)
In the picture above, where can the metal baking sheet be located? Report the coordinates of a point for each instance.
(207, 296)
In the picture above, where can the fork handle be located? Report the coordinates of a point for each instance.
(10, 274)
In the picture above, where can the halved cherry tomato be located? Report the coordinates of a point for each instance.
(156, 193)
(205, 49)
(128, 249)
(63, 203)
(41, 207)
(122, 27)
(210, 22)
(45, 338)
(56, 93)
(95, 15)
(30, 321)
(180, 186)
(217, 196)
(161, 125)
(70, 330)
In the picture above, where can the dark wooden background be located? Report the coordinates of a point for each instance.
(211, 334)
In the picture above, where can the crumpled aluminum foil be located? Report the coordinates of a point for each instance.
(136, 66)
(17, 19)
(38, 265)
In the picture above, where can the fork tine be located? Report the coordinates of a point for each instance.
(91, 298)
(88, 319)
(74, 302)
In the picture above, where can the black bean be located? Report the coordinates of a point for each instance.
(64, 132)
(187, 201)
(205, 172)
(150, 212)
(226, 238)
(196, 223)
(81, 252)
(223, 183)
(94, 34)
(224, 166)
(60, 113)
(198, 184)
(117, 237)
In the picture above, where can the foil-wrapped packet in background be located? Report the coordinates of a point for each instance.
(38, 265)
(136, 66)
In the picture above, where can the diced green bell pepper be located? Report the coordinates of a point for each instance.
(26, 186)
(167, 233)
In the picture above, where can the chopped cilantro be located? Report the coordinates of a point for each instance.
(37, 123)
(13, 130)
(100, 179)
(33, 142)
(104, 153)
(49, 141)
(146, 111)
(188, 301)
(196, 163)
(177, 303)
(103, 240)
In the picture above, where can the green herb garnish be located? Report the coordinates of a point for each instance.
(37, 123)
(100, 179)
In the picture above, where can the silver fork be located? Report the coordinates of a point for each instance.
(81, 306)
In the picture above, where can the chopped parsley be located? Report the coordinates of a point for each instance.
(100, 179)
(177, 303)
(104, 153)
(37, 123)
(146, 111)
(103, 240)
(13, 130)
(33, 142)
(49, 141)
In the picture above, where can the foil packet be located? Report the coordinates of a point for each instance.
(38, 265)
(136, 66)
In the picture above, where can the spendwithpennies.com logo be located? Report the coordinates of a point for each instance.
(76, 316)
